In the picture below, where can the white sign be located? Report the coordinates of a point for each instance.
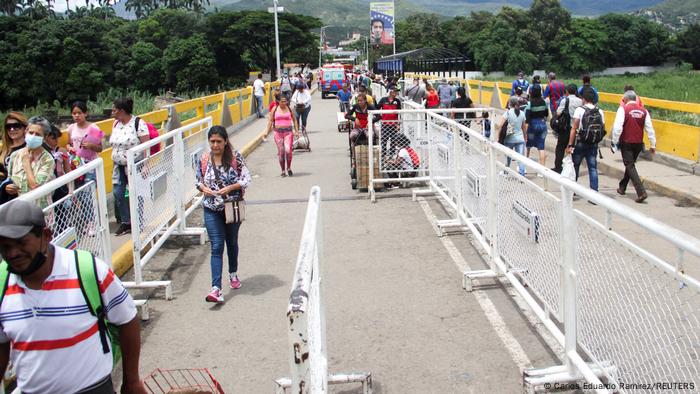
(443, 153)
(474, 182)
(526, 221)
(159, 185)
(271, 10)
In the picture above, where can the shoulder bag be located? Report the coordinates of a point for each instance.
(234, 211)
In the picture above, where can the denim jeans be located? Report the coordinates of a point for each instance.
(219, 233)
(120, 201)
(520, 148)
(259, 105)
(590, 153)
(302, 117)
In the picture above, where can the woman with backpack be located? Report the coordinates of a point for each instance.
(536, 114)
(126, 134)
(283, 122)
(514, 136)
(222, 176)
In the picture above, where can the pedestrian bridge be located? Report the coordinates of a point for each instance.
(470, 278)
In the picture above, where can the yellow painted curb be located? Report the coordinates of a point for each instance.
(123, 258)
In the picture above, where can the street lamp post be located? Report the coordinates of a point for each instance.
(320, 46)
(277, 39)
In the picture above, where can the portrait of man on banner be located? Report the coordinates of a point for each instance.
(382, 23)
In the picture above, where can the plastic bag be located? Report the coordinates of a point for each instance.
(568, 170)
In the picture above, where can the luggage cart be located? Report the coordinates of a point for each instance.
(182, 381)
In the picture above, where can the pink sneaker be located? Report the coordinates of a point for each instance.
(215, 295)
(234, 281)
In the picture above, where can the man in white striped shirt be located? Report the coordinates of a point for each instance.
(46, 326)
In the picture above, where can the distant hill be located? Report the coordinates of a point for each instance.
(674, 14)
(576, 7)
(349, 13)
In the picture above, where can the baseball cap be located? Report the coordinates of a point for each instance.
(395, 88)
(18, 217)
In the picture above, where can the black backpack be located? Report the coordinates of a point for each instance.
(561, 123)
(592, 129)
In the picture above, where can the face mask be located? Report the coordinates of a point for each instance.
(33, 141)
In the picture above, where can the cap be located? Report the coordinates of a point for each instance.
(18, 217)
(395, 88)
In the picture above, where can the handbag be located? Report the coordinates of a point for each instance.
(503, 131)
(234, 211)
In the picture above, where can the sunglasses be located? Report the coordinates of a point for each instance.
(14, 126)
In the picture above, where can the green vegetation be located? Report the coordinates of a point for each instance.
(545, 36)
(52, 59)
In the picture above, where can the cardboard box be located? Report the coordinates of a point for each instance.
(362, 165)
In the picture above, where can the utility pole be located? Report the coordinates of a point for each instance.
(393, 4)
(320, 46)
(277, 39)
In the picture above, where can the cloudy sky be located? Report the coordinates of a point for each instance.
(60, 5)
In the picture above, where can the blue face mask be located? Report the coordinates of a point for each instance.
(33, 141)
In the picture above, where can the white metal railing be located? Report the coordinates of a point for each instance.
(80, 218)
(162, 194)
(308, 360)
(625, 312)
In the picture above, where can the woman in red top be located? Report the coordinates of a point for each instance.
(432, 100)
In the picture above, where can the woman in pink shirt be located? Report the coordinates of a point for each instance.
(284, 123)
(84, 138)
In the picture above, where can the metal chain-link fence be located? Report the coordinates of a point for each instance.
(625, 311)
(79, 219)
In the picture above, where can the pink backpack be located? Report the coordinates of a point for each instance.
(152, 132)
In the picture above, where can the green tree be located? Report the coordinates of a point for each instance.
(635, 41)
(688, 44)
(462, 31)
(251, 33)
(189, 64)
(228, 57)
(419, 31)
(145, 67)
(583, 46)
(501, 46)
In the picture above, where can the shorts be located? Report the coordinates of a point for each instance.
(536, 133)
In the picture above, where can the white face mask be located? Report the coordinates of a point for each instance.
(33, 141)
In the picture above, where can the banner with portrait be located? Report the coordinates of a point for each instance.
(382, 23)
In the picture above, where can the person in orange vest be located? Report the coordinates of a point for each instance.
(631, 121)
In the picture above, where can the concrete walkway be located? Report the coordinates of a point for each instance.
(394, 302)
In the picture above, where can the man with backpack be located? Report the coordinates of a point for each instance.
(64, 315)
(631, 121)
(587, 130)
(561, 123)
(521, 83)
(286, 86)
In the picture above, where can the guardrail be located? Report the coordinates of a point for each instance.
(625, 313)
(162, 194)
(675, 139)
(308, 360)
